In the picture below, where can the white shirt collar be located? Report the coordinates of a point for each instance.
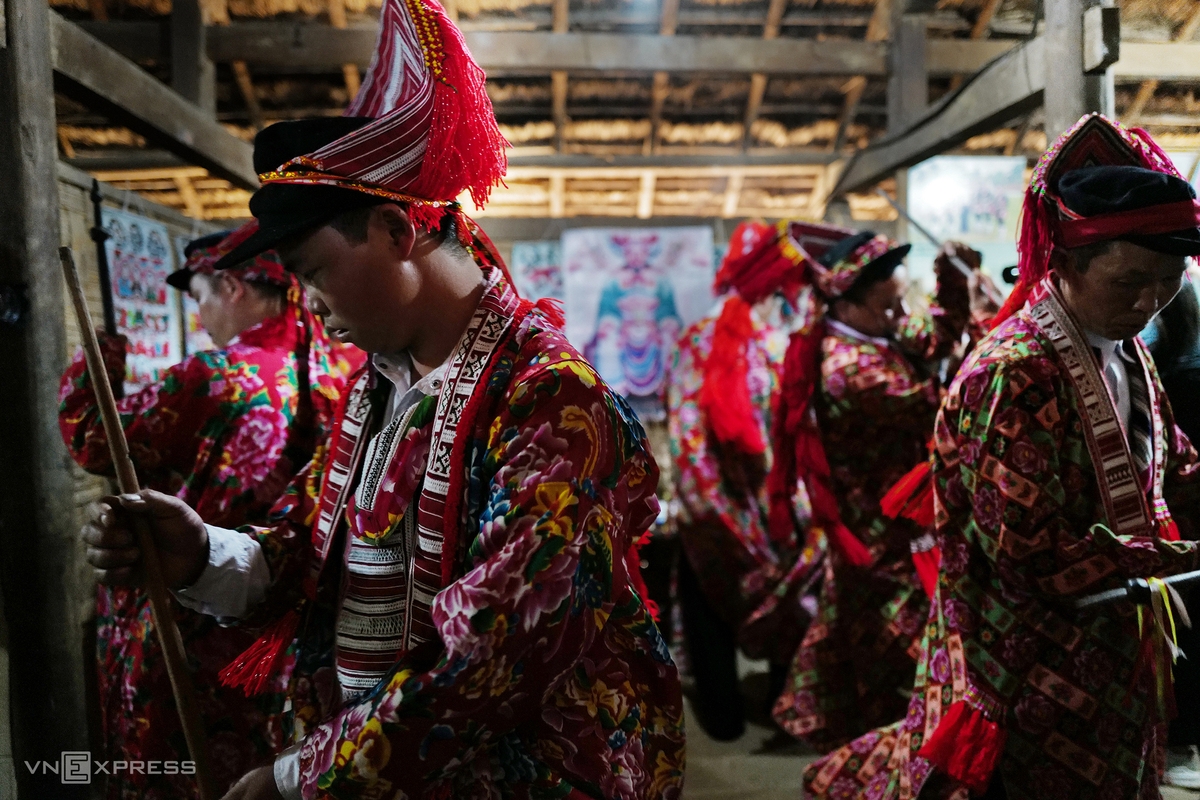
(399, 371)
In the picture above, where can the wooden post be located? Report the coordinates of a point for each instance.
(908, 91)
(908, 84)
(193, 73)
(1069, 92)
(47, 586)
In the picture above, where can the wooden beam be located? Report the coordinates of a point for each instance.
(560, 24)
(509, 229)
(350, 74)
(558, 193)
(1146, 91)
(98, 77)
(303, 45)
(165, 173)
(45, 584)
(241, 76)
(758, 80)
(558, 98)
(1163, 60)
(877, 31)
(645, 204)
(733, 193)
(979, 30)
(560, 21)
(193, 73)
(984, 21)
(758, 88)
(908, 83)
(191, 200)
(662, 81)
(1011, 86)
(307, 46)
(638, 173)
(1069, 92)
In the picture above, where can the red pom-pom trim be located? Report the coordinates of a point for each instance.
(966, 746)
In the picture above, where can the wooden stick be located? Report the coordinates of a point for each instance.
(160, 605)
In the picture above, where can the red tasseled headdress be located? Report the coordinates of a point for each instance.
(762, 259)
(435, 136)
(1095, 140)
(797, 450)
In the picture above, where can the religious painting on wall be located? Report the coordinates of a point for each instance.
(195, 337)
(536, 268)
(629, 295)
(971, 199)
(139, 260)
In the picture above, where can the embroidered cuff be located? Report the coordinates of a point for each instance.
(235, 579)
(287, 773)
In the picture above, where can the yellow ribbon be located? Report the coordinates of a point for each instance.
(1160, 605)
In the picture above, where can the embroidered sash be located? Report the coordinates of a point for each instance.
(389, 589)
(1121, 490)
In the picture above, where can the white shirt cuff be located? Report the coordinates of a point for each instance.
(235, 579)
(287, 773)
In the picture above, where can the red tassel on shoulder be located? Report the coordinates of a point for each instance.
(966, 746)
(633, 565)
(1168, 530)
(912, 496)
(927, 563)
(849, 545)
(252, 670)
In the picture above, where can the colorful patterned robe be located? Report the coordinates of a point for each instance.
(522, 661)
(224, 432)
(875, 409)
(1024, 528)
(728, 544)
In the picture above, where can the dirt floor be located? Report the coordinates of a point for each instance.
(741, 771)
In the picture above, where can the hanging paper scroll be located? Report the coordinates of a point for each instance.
(195, 337)
(629, 295)
(139, 260)
(971, 199)
(536, 269)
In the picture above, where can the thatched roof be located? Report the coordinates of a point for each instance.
(611, 116)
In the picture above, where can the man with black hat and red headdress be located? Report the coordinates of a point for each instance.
(224, 430)
(452, 577)
(1058, 472)
(723, 384)
(859, 399)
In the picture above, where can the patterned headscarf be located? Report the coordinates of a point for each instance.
(1092, 141)
(324, 364)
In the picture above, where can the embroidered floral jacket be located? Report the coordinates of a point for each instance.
(1026, 524)
(875, 408)
(521, 662)
(224, 432)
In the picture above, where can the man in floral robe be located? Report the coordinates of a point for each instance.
(723, 383)
(225, 431)
(449, 583)
(1057, 471)
(874, 411)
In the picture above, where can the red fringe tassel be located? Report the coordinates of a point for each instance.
(252, 670)
(633, 565)
(725, 396)
(927, 563)
(912, 496)
(966, 746)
